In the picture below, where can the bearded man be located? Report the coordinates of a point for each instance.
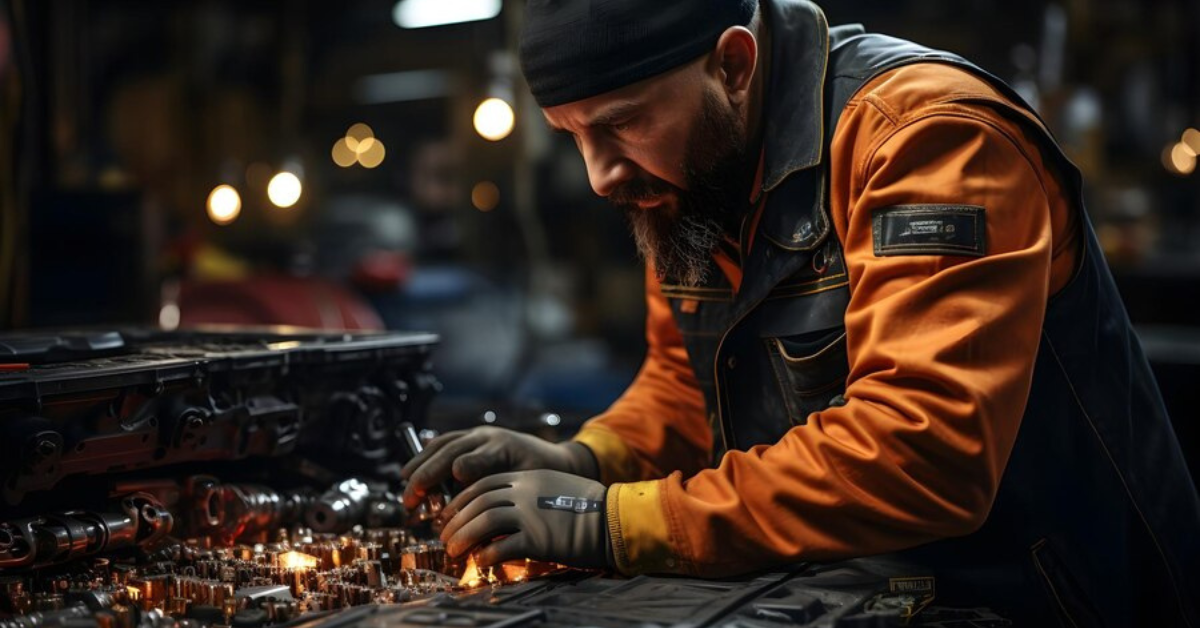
(879, 322)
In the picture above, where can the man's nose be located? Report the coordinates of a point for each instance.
(607, 169)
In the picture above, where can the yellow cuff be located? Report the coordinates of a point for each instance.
(638, 530)
(616, 460)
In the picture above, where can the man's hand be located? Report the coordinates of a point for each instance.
(543, 515)
(473, 454)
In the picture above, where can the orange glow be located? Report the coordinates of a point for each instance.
(1191, 139)
(371, 153)
(343, 154)
(485, 196)
(472, 578)
(1183, 161)
(297, 560)
(515, 571)
(358, 133)
(510, 572)
(359, 146)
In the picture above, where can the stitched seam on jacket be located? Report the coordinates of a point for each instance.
(697, 297)
(793, 413)
(1050, 583)
(823, 218)
(804, 294)
(807, 359)
(804, 284)
(882, 107)
(678, 288)
(1117, 469)
(942, 111)
(620, 557)
(683, 544)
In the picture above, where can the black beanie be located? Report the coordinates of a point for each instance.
(576, 49)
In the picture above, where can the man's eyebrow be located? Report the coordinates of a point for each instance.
(615, 113)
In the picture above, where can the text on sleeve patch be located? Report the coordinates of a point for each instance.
(930, 230)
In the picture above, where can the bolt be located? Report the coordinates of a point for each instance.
(41, 449)
(47, 447)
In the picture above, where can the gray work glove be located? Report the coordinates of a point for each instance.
(543, 515)
(472, 454)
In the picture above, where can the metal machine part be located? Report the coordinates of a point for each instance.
(431, 508)
(340, 507)
(251, 478)
(301, 572)
(79, 405)
(139, 520)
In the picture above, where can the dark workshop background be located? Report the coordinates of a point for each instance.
(324, 164)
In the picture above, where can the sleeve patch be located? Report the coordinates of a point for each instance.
(930, 230)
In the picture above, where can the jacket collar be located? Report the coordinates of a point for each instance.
(794, 122)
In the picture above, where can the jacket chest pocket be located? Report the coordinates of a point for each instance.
(810, 369)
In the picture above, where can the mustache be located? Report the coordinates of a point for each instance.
(639, 190)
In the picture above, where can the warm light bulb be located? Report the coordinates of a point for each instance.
(284, 189)
(494, 119)
(224, 204)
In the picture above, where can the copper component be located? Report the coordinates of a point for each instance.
(105, 619)
(16, 600)
(178, 606)
(229, 607)
(122, 615)
(408, 558)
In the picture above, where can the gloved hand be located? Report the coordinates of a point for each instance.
(473, 454)
(543, 515)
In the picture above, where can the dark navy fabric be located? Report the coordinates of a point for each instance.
(1097, 521)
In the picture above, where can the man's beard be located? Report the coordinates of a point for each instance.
(679, 243)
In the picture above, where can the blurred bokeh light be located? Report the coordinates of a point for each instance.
(224, 204)
(494, 119)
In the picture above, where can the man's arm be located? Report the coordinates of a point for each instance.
(941, 351)
(658, 425)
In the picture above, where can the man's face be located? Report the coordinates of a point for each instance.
(671, 153)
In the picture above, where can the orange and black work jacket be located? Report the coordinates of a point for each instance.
(915, 346)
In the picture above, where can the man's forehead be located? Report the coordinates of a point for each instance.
(613, 106)
(587, 113)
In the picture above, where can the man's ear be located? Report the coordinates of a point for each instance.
(733, 62)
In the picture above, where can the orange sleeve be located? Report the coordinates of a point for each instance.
(658, 425)
(941, 352)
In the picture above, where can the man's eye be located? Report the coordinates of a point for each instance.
(622, 126)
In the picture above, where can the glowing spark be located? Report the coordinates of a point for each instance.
(297, 560)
